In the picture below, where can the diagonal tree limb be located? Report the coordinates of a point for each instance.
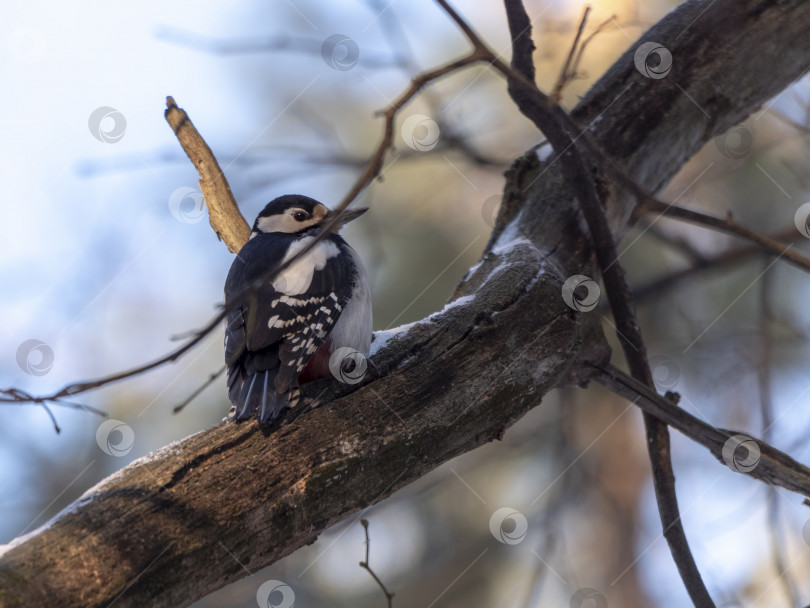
(773, 467)
(223, 213)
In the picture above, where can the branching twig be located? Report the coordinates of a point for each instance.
(569, 69)
(18, 396)
(179, 407)
(389, 595)
(649, 204)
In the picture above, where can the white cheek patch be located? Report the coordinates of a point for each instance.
(270, 223)
(297, 277)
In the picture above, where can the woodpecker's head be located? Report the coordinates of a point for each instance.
(293, 214)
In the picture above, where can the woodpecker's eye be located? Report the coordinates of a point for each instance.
(300, 216)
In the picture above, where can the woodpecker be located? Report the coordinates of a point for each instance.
(288, 328)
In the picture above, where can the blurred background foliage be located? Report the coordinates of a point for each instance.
(96, 265)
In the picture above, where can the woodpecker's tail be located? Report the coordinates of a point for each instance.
(254, 392)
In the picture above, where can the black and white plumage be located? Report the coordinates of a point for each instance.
(286, 329)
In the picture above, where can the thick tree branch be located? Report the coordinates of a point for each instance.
(150, 535)
(223, 212)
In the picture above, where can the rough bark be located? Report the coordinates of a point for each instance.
(150, 535)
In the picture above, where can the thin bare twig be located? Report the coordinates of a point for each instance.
(599, 29)
(649, 204)
(569, 69)
(179, 407)
(19, 396)
(773, 467)
(263, 44)
(389, 595)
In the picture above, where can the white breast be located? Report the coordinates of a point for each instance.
(353, 328)
(296, 278)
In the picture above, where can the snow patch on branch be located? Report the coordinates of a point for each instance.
(544, 151)
(382, 338)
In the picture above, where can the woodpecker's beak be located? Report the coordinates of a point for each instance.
(345, 217)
